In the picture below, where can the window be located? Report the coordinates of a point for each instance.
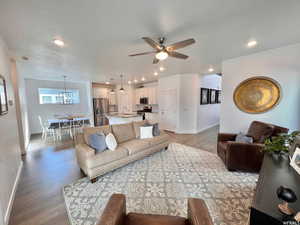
(58, 96)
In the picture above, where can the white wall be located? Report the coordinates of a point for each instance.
(281, 64)
(10, 156)
(208, 115)
(191, 117)
(48, 111)
(188, 103)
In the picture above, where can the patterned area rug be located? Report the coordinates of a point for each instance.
(161, 184)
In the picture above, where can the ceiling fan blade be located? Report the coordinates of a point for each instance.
(180, 44)
(143, 53)
(152, 43)
(177, 55)
(155, 61)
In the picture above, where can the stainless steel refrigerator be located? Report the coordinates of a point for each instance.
(101, 108)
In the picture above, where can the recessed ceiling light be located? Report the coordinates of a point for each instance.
(161, 68)
(129, 82)
(135, 81)
(143, 78)
(252, 43)
(107, 82)
(59, 42)
(211, 69)
(155, 73)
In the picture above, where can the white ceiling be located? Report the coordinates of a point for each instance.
(100, 34)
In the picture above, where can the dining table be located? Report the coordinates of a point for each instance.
(68, 120)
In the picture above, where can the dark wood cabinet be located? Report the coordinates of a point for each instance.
(275, 172)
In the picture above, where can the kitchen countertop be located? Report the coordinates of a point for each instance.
(124, 115)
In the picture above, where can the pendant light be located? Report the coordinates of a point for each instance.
(122, 89)
(112, 91)
(66, 97)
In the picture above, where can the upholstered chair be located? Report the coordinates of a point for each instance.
(115, 214)
(243, 156)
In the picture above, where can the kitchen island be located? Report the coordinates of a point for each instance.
(123, 118)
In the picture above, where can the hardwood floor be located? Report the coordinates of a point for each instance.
(48, 167)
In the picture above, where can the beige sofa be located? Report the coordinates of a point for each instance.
(130, 148)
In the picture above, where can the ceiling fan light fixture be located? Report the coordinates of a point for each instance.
(162, 55)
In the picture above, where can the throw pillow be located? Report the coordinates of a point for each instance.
(243, 138)
(156, 131)
(146, 132)
(97, 142)
(111, 142)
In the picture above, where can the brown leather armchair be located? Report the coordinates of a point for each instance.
(115, 214)
(243, 156)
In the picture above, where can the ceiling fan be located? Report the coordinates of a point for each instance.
(162, 52)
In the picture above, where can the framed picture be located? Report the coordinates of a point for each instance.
(204, 98)
(218, 96)
(213, 96)
(3, 97)
(295, 162)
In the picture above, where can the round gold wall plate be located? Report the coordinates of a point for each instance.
(257, 95)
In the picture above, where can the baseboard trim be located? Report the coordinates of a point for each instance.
(12, 195)
(208, 127)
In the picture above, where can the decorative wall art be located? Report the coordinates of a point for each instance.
(218, 96)
(213, 96)
(204, 97)
(3, 97)
(257, 95)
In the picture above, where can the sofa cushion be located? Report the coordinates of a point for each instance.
(137, 125)
(156, 131)
(243, 138)
(260, 131)
(106, 157)
(146, 132)
(135, 146)
(87, 131)
(111, 142)
(151, 219)
(163, 137)
(97, 142)
(123, 132)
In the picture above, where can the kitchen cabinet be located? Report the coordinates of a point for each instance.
(146, 92)
(112, 99)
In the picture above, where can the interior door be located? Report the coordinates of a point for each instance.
(168, 109)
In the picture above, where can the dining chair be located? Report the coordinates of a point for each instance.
(64, 128)
(46, 130)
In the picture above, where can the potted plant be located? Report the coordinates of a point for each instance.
(281, 143)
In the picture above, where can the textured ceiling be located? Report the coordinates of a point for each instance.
(100, 34)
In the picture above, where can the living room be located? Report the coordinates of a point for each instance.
(175, 113)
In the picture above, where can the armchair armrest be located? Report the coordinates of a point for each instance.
(226, 137)
(198, 212)
(115, 211)
(244, 156)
